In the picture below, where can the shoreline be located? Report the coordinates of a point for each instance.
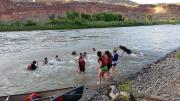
(161, 78)
(148, 66)
(20, 26)
(156, 79)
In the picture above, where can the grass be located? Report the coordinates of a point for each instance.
(127, 87)
(178, 55)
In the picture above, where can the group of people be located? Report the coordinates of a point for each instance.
(34, 65)
(107, 62)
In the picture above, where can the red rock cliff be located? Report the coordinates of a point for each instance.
(39, 11)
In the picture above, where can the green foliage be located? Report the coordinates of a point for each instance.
(73, 15)
(51, 17)
(74, 20)
(125, 86)
(107, 17)
(30, 23)
(60, 22)
(78, 22)
(178, 55)
(17, 23)
(86, 16)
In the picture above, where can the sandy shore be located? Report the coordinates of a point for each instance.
(160, 79)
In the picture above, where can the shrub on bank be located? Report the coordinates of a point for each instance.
(178, 55)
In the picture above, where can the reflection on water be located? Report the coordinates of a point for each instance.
(17, 49)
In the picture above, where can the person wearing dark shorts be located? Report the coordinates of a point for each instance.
(115, 60)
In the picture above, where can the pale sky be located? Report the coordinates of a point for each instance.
(155, 1)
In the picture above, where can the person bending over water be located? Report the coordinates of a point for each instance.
(102, 68)
(33, 66)
(129, 52)
(57, 58)
(124, 49)
(82, 63)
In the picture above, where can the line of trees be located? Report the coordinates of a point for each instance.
(91, 17)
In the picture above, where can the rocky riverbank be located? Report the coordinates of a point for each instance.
(161, 78)
(159, 81)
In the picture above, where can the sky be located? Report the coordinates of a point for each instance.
(155, 1)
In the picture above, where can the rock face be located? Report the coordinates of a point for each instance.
(11, 11)
(22, 0)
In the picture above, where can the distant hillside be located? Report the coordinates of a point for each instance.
(10, 11)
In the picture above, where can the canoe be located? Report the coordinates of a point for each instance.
(65, 94)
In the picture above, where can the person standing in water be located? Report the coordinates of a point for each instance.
(115, 60)
(110, 58)
(82, 63)
(102, 68)
(109, 63)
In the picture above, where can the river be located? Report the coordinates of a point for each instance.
(17, 49)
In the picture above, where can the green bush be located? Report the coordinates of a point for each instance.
(30, 23)
(73, 15)
(60, 22)
(78, 22)
(86, 16)
(107, 17)
(125, 86)
(178, 55)
(17, 23)
(51, 17)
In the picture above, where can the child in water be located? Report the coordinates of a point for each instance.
(57, 58)
(45, 62)
(82, 63)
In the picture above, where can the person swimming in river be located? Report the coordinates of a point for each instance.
(74, 52)
(57, 58)
(82, 63)
(45, 61)
(85, 55)
(33, 66)
(94, 49)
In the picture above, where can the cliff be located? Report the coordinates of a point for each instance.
(10, 11)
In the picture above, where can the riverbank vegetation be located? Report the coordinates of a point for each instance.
(178, 55)
(74, 20)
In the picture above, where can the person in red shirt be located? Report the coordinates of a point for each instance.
(102, 68)
(82, 63)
